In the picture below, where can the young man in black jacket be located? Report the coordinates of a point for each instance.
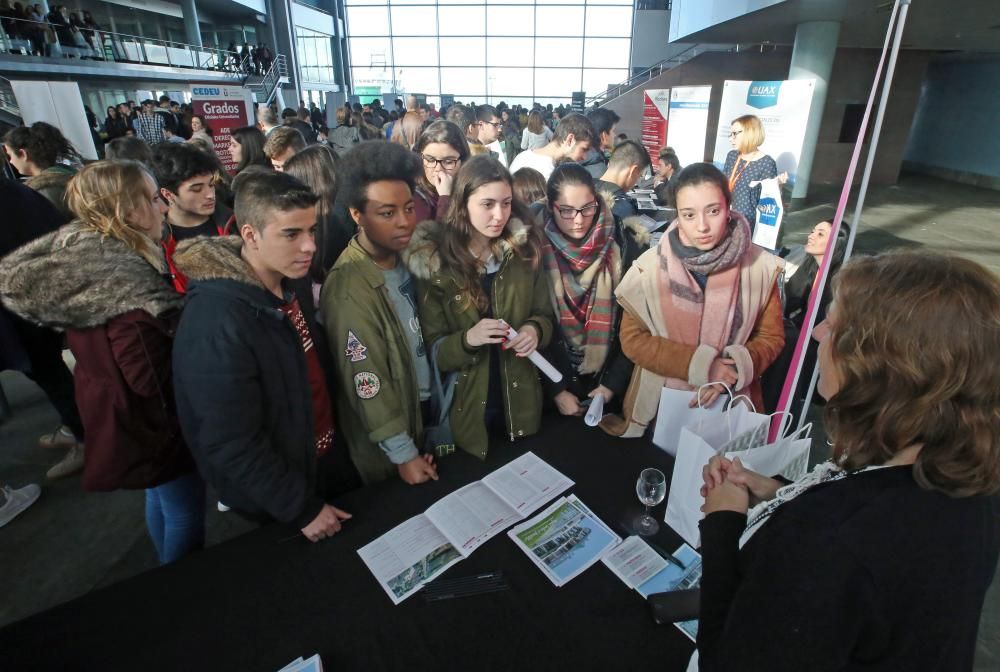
(251, 395)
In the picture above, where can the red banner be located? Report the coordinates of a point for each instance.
(224, 109)
(656, 105)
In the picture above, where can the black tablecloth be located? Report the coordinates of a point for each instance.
(261, 600)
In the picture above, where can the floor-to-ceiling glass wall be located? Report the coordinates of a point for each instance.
(486, 51)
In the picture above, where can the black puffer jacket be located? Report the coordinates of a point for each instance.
(242, 387)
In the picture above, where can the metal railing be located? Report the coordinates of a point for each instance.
(8, 103)
(270, 81)
(653, 71)
(62, 41)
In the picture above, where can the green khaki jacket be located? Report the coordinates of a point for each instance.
(520, 296)
(378, 395)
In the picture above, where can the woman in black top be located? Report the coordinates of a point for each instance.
(881, 557)
(114, 125)
(746, 164)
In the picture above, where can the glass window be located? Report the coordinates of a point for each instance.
(557, 82)
(468, 82)
(606, 52)
(558, 21)
(414, 21)
(419, 80)
(366, 77)
(367, 21)
(510, 51)
(514, 21)
(411, 51)
(462, 20)
(596, 81)
(509, 82)
(559, 52)
(463, 51)
(609, 21)
(367, 52)
(366, 2)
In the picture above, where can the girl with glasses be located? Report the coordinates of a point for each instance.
(478, 273)
(702, 307)
(442, 148)
(746, 164)
(585, 252)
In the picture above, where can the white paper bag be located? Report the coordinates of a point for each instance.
(674, 412)
(788, 456)
(770, 212)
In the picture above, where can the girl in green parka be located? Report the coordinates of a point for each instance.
(478, 272)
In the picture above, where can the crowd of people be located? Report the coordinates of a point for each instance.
(279, 335)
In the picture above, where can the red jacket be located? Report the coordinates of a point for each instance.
(125, 398)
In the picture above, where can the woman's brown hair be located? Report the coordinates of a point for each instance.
(440, 132)
(915, 338)
(454, 237)
(535, 123)
(104, 194)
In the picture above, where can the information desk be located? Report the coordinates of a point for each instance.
(261, 600)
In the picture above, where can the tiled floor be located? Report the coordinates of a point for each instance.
(71, 542)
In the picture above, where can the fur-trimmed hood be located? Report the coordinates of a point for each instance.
(77, 278)
(633, 224)
(215, 258)
(423, 258)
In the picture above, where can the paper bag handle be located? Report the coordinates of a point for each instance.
(718, 382)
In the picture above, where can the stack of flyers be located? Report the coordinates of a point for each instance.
(313, 664)
(648, 572)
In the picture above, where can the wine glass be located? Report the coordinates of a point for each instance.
(651, 488)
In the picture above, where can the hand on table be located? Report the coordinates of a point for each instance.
(418, 470)
(568, 404)
(326, 523)
(720, 469)
(526, 341)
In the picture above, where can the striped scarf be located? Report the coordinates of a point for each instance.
(584, 275)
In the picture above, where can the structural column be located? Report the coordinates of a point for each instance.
(192, 33)
(812, 58)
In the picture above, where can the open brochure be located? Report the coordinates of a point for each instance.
(648, 572)
(564, 539)
(414, 552)
(313, 664)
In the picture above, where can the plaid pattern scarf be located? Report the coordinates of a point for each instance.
(584, 275)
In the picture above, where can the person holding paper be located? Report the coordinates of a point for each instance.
(881, 557)
(369, 308)
(478, 275)
(586, 251)
(702, 307)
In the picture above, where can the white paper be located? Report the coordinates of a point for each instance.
(649, 223)
(409, 556)
(595, 411)
(527, 483)
(674, 413)
(536, 358)
(634, 562)
(471, 515)
(564, 540)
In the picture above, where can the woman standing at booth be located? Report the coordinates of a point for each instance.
(745, 163)
(702, 307)
(478, 272)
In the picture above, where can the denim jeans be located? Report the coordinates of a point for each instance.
(175, 516)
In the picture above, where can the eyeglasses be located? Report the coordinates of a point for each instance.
(566, 212)
(733, 134)
(495, 124)
(447, 163)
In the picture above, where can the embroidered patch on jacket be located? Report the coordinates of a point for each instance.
(355, 348)
(367, 384)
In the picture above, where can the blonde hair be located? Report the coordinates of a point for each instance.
(914, 340)
(103, 195)
(752, 136)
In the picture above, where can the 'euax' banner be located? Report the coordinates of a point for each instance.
(655, 108)
(225, 108)
(783, 109)
(688, 122)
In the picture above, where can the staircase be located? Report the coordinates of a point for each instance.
(265, 87)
